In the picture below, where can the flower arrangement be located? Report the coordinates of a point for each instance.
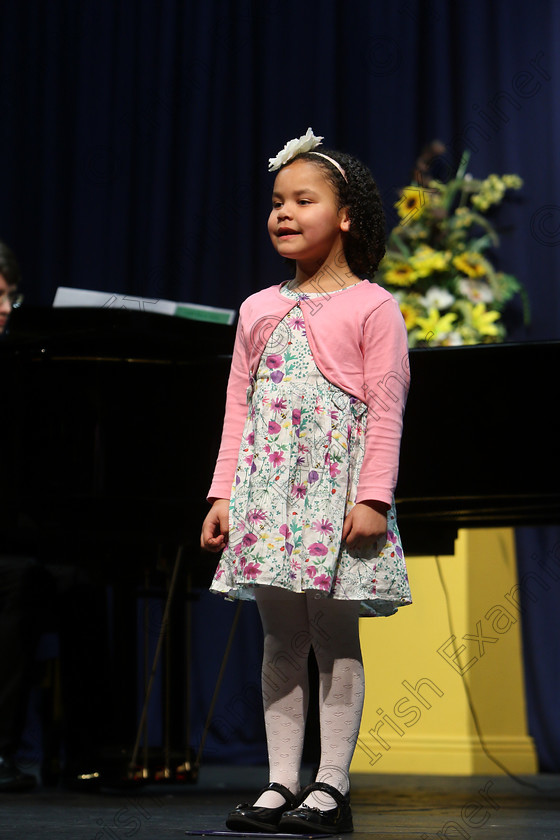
(436, 263)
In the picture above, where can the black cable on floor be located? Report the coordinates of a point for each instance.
(470, 702)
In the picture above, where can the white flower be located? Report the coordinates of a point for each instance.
(305, 143)
(475, 291)
(453, 339)
(435, 296)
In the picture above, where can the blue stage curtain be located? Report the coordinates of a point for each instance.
(135, 136)
(538, 561)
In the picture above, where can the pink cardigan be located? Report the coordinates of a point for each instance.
(359, 343)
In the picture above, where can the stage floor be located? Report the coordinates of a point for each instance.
(384, 807)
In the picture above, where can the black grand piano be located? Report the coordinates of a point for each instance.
(106, 415)
(107, 453)
(480, 444)
(105, 412)
(111, 421)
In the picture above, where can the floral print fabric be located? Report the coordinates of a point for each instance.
(296, 480)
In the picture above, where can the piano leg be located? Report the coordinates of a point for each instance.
(217, 686)
(188, 771)
(133, 768)
(144, 771)
(165, 774)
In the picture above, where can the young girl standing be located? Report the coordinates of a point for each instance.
(302, 495)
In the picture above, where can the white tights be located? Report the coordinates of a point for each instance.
(292, 623)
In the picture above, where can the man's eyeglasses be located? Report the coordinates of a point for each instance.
(13, 297)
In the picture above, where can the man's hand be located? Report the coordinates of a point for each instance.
(365, 524)
(215, 528)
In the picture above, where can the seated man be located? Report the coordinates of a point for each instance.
(43, 593)
(19, 584)
(9, 281)
(17, 640)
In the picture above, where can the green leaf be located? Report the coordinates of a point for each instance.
(396, 240)
(463, 163)
(482, 242)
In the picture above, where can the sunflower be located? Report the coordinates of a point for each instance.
(426, 261)
(411, 204)
(401, 274)
(471, 263)
(410, 314)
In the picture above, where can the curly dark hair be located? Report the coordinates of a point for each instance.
(9, 268)
(364, 244)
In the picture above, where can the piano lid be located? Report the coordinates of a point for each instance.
(480, 443)
(93, 332)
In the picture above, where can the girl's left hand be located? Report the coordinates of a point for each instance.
(365, 524)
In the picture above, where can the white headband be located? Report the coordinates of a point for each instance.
(334, 163)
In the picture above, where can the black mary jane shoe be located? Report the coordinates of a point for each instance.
(307, 820)
(249, 818)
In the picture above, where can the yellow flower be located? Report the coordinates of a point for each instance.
(410, 314)
(492, 191)
(512, 182)
(435, 324)
(483, 320)
(481, 203)
(411, 204)
(471, 263)
(425, 261)
(401, 274)
(463, 218)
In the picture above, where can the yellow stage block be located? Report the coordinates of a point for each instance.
(450, 659)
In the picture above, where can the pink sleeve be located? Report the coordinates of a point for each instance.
(386, 382)
(235, 415)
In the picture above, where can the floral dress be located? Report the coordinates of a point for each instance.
(296, 480)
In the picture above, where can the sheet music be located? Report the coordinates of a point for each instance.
(68, 297)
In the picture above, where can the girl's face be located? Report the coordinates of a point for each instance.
(305, 224)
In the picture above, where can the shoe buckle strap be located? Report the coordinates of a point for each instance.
(283, 791)
(333, 792)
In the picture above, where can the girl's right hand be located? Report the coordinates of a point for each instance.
(215, 528)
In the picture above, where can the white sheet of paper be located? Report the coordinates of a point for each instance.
(66, 297)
